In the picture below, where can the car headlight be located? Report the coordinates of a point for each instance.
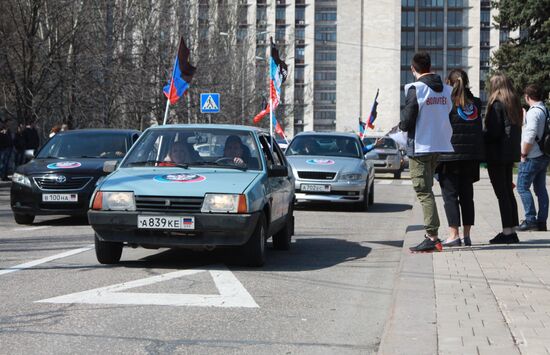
(21, 179)
(118, 201)
(351, 177)
(224, 203)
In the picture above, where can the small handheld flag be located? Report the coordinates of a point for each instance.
(181, 75)
(362, 126)
(373, 113)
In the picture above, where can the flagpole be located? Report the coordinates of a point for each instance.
(171, 86)
(167, 107)
(270, 96)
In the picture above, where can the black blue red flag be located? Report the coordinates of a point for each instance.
(181, 75)
(373, 113)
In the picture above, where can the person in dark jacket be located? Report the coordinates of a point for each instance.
(502, 136)
(30, 135)
(425, 118)
(458, 171)
(6, 146)
(19, 146)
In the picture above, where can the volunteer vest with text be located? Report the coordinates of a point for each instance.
(433, 128)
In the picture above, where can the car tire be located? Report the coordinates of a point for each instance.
(371, 194)
(253, 251)
(363, 206)
(397, 175)
(23, 218)
(107, 252)
(283, 238)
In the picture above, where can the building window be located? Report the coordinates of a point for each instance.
(454, 39)
(300, 33)
(407, 19)
(325, 75)
(430, 39)
(300, 14)
(280, 14)
(407, 3)
(454, 58)
(325, 96)
(431, 3)
(407, 39)
(430, 19)
(299, 54)
(299, 74)
(327, 14)
(456, 3)
(455, 19)
(485, 37)
(280, 34)
(325, 56)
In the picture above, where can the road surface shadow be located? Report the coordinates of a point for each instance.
(377, 207)
(304, 254)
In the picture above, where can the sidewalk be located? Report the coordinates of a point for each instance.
(487, 299)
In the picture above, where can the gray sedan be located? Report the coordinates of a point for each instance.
(331, 167)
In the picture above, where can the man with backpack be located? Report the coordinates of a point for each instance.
(534, 161)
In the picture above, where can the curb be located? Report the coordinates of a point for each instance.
(411, 324)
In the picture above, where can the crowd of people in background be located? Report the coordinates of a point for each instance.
(447, 140)
(15, 144)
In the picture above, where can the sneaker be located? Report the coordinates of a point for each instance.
(541, 227)
(526, 226)
(452, 243)
(427, 245)
(502, 238)
(467, 241)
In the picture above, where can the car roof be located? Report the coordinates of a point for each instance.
(328, 134)
(98, 131)
(211, 125)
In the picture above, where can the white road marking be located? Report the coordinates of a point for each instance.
(42, 261)
(231, 292)
(29, 229)
(406, 182)
(384, 182)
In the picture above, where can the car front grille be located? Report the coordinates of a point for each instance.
(382, 156)
(316, 175)
(167, 203)
(70, 183)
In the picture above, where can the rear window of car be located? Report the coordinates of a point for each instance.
(86, 145)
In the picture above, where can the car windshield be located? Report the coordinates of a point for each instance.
(325, 145)
(108, 145)
(215, 147)
(386, 143)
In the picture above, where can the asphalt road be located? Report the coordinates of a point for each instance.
(330, 294)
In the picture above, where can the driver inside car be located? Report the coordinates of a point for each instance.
(235, 149)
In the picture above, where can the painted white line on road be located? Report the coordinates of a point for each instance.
(384, 182)
(29, 229)
(42, 261)
(406, 182)
(231, 292)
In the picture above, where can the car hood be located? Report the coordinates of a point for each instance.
(82, 166)
(325, 164)
(178, 182)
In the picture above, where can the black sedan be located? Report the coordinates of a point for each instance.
(62, 176)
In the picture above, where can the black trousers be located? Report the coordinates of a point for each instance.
(502, 181)
(457, 188)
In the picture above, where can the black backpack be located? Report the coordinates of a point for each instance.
(544, 142)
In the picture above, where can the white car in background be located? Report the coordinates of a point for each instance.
(389, 158)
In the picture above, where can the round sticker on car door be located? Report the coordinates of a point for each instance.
(64, 165)
(180, 178)
(320, 161)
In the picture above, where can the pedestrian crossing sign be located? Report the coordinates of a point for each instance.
(210, 103)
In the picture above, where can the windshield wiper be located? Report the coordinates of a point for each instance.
(90, 156)
(213, 163)
(159, 163)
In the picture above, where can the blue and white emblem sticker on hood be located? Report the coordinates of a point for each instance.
(64, 165)
(179, 178)
(320, 161)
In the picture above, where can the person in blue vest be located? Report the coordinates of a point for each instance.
(425, 118)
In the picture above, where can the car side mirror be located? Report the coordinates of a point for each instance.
(109, 166)
(277, 171)
(29, 154)
(371, 155)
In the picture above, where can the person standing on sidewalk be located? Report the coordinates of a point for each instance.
(6, 146)
(458, 171)
(533, 165)
(502, 136)
(425, 118)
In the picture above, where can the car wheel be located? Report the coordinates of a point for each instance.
(371, 194)
(23, 218)
(363, 205)
(283, 238)
(254, 250)
(107, 252)
(397, 175)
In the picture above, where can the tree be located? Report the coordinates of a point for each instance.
(526, 59)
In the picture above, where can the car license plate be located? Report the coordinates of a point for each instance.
(166, 222)
(59, 197)
(315, 188)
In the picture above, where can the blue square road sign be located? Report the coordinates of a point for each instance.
(210, 103)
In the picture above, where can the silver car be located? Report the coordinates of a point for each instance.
(390, 159)
(331, 167)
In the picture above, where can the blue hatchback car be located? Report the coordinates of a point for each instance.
(168, 193)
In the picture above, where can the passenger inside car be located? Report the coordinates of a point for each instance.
(308, 146)
(235, 149)
(182, 153)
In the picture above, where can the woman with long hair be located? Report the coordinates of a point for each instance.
(458, 171)
(502, 135)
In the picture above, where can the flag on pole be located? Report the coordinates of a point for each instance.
(373, 113)
(362, 126)
(278, 71)
(181, 75)
(278, 128)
